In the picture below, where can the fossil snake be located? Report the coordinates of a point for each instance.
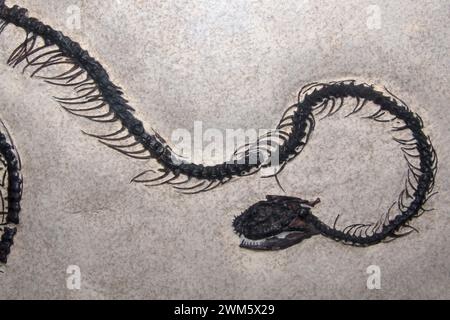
(278, 222)
(11, 179)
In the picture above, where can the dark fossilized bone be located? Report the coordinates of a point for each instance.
(274, 224)
(297, 222)
(10, 193)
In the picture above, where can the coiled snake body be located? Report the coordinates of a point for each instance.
(276, 223)
(12, 180)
